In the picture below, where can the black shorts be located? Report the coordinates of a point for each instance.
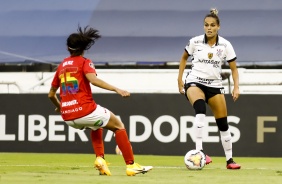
(208, 91)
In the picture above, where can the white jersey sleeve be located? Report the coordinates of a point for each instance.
(230, 53)
(190, 47)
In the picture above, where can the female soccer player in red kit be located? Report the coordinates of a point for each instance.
(77, 106)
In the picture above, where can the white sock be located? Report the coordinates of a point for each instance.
(199, 126)
(226, 141)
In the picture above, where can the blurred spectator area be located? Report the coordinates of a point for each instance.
(135, 33)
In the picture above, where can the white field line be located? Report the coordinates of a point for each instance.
(157, 167)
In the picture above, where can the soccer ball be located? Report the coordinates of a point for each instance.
(118, 151)
(195, 160)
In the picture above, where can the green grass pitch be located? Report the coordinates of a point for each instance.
(78, 168)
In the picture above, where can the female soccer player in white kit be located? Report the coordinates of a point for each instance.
(203, 83)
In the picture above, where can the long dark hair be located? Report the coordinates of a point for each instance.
(82, 40)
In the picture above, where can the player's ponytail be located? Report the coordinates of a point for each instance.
(82, 40)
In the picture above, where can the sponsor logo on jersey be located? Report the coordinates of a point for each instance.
(212, 62)
(69, 103)
(205, 81)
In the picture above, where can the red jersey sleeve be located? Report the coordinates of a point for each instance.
(56, 81)
(89, 67)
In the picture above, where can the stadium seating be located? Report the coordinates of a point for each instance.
(138, 30)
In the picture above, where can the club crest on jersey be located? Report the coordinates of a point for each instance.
(91, 65)
(219, 52)
(210, 55)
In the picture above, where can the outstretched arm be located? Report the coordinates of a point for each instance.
(94, 80)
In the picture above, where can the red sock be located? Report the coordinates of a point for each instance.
(97, 142)
(125, 146)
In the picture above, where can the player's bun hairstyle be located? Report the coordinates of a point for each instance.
(82, 40)
(214, 14)
(214, 11)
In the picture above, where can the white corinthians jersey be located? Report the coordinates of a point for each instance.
(207, 60)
